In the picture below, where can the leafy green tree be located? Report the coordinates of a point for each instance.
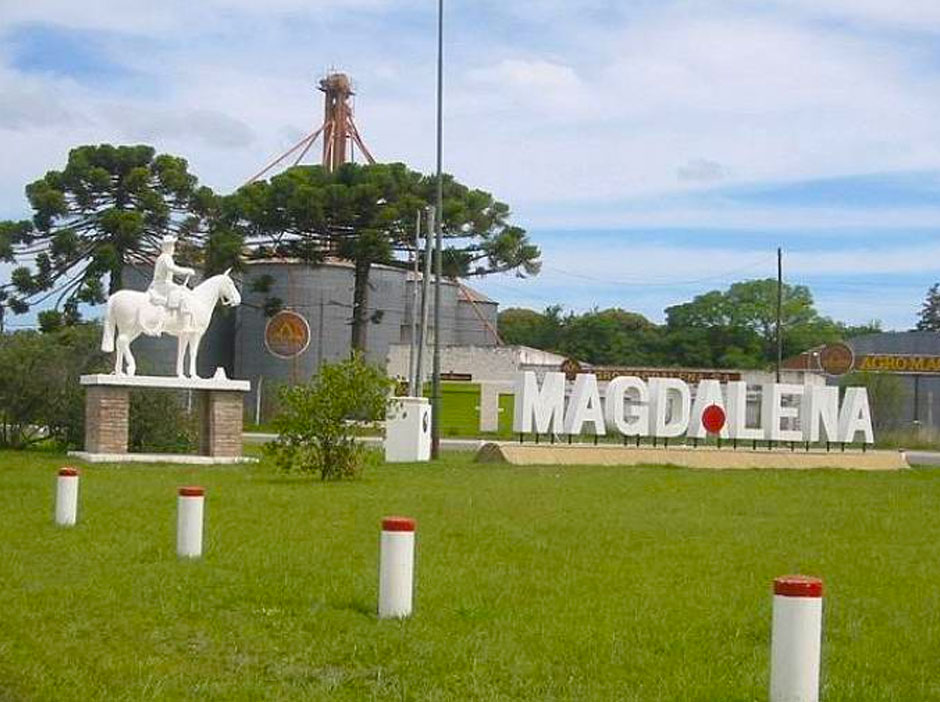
(929, 317)
(612, 336)
(318, 423)
(741, 322)
(733, 328)
(849, 331)
(109, 207)
(540, 330)
(366, 214)
(41, 398)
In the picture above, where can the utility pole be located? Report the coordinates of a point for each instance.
(413, 351)
(320, 335)
(436, 394)
(425, 291)
(779, 309)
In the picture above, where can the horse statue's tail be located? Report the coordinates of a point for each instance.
(107, 339)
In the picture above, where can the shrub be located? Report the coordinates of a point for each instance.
(159, 422)
(319, 422)
(40, 395)
(41, 398)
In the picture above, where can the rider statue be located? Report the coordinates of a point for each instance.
(166, 293)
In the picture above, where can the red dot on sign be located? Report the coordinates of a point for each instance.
(713, 419)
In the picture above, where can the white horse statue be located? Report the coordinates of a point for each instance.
(131, 313)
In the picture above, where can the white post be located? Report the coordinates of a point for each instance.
(66, 497)
(796, 639)
(396, 567)
(189, 513)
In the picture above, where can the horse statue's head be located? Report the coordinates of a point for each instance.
(228, 293)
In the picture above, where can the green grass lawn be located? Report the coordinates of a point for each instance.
(460, 411)
(532, 583)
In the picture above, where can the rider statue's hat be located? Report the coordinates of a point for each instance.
(168, 239)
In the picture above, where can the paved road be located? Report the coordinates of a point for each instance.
(923, 458)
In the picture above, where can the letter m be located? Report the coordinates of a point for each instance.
(545, 405)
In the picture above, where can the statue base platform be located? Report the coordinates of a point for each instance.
(167, 382)
(107, 409)
(175, 458)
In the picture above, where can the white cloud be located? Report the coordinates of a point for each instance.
(148, 17)
(577, 114)
(628, 262)
(528, 75)
(912, 15)
(701, 170)
(209, 127)
(27, 107)
(582, 273)
(831, 221)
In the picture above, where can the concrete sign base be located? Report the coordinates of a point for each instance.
(408, 430)
(687, 457)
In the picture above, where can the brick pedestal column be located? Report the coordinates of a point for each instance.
(106, 412)
(221, 423)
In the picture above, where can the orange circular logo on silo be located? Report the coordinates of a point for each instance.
(287, 334)
(836, 359)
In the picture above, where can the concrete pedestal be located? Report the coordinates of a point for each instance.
(408, 430)
(107, 407)
(106, 412)
(222, 413)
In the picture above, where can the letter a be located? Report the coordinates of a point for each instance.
(855, 416)
(585, 406)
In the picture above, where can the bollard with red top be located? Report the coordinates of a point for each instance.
(66, 497)
(189, 515)
(396, 567)
(796, 639)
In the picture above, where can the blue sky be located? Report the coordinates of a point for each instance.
(654, 150)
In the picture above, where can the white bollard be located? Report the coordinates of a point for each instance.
(396, 567)
(796, 639)
(66, 497)
(189, 512)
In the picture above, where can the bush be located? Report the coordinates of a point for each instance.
(319, 422)
(159, 423)
(41, 398)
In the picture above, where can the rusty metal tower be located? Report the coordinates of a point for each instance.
(338, 129)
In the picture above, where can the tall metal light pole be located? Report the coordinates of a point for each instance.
(779, 311)
(436, 384)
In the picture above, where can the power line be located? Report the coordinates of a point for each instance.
(759, 263)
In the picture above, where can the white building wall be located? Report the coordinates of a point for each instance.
(482, 363)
